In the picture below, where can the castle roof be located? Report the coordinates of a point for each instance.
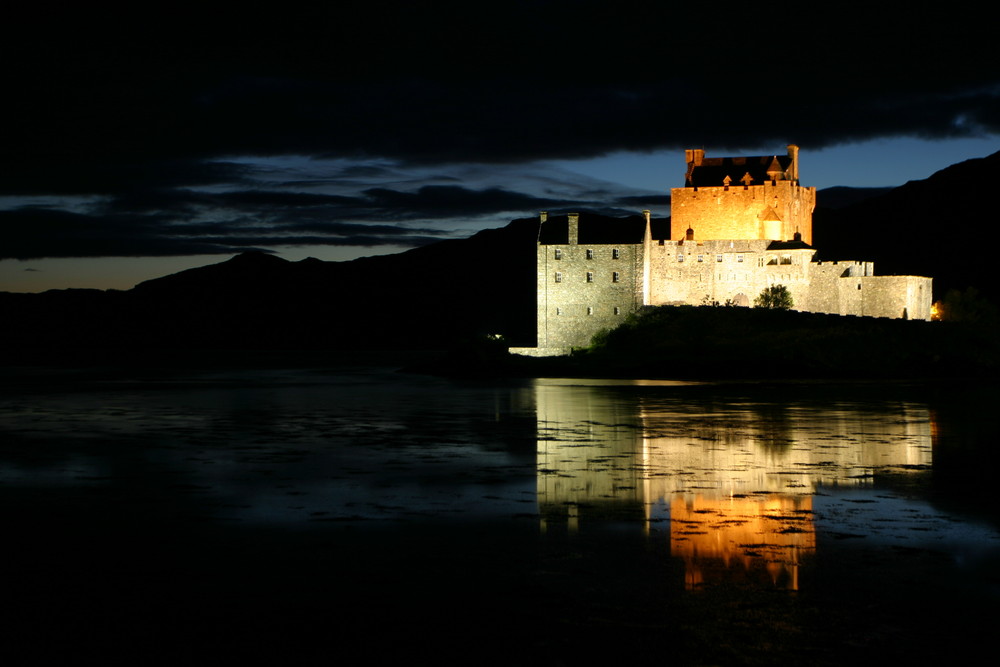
(712, 171)
(595, 229)
(788, 245)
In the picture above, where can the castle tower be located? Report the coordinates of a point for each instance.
(742, 198)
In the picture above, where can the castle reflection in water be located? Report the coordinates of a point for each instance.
(734, 478)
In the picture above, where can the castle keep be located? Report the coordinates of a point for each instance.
(739, 225)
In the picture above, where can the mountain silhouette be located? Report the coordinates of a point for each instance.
(441, 294)
(428, 297)
(931, 227)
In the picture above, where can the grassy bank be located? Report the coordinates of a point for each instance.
(724, 342)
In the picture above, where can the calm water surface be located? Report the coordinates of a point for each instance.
(736, 523)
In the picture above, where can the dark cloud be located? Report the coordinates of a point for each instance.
(450, 201)
(163, 124)
(525, 80)
(36, 232)
(644, 201)
(99, 174)
(291, 209)
(183, 222)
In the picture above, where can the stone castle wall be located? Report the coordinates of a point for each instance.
(906, 297)
(827, 293)
(734, 271)
(775, 210)
(585, 288)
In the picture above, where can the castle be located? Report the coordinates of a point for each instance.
(738, 226)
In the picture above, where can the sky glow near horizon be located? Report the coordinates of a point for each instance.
(877, 163)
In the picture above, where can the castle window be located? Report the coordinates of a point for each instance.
(618, 311)
(590, 310)
(718, 258)
(590, 254)
(661, 241)
(739, 258)
(590, 276)
(701, 258)
(558, 253)
(614, 253)
(786, 259)
(558, 277)
(558, 311)
(680, 257)
(615, 276)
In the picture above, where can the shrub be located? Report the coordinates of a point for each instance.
(775, 296)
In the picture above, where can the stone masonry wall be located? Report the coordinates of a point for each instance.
(736, 212)
(895, 296)
(827, 293)
(693, 272)
(579, 292)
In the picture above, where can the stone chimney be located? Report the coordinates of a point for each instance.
(574, 228)
(694, 156)
(793, 171)
(543, 216)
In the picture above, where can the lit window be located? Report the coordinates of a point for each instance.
(590, 276)
(558, 277)
(614, 253)
(615, 276)
(558, 253)
(590, 254)
(718, 258)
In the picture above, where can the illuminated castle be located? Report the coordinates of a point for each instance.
(739, 225)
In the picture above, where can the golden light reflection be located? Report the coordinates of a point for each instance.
(735, 481)
(742, 538)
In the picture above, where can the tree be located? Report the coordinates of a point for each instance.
(775, 296)
(967, 305)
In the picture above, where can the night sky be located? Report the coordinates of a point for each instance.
(143, 141)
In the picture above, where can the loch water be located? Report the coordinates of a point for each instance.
(192, 513)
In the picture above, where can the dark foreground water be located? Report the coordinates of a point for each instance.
(352, 513)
